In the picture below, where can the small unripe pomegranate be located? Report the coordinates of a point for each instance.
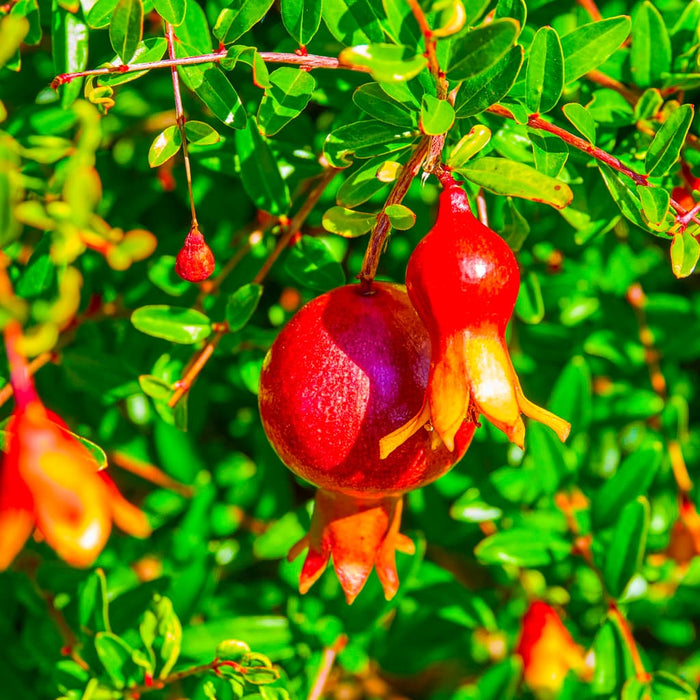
(348, 368)
(195, 261)
(463, 280)
(547, 650)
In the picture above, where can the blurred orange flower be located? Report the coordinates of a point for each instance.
(50, 482)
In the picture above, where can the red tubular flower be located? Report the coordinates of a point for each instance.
(547, 650)
(50, 482)
(463, 281)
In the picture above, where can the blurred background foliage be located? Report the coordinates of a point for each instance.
(93, 210)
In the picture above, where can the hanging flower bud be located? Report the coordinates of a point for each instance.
(463, 280)
(195, 261)
(49, 481)
(547, 650)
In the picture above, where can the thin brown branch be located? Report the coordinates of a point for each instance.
(327, 661)
(603, 80)
(592, 9)
(150, 472)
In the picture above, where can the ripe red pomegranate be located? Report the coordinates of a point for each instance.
(463, 280)
(348, 368)
(195, 261)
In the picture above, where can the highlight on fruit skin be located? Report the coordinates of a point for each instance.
(348, 368)
(463, 280)
(49, 481)
(195, 261)
(548, 651)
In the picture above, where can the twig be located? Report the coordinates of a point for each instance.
(591, 8)
(184, 385)
(327, 661)
(382, 227)
(150, 472)
(603, 80)
(430, 48)
(32, 368)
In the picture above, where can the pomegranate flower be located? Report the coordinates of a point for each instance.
(547, 650)
(463, 280)
(49, 481)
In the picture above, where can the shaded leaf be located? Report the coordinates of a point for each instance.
(126, 28)
(377, 104)
(544, 78)
(311, 263)
(650, 55)
(481, 49)
(665, 149)
(241, 305)
(233, 22)
(364, 139)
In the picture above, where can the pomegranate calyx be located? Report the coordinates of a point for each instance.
(360, 534)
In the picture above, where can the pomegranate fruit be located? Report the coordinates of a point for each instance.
(463, 280)
(348, 368)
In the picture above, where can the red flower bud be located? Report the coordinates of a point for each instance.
(195, 261)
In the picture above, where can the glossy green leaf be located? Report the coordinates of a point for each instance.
(623, 193)
(648, 104)
(580, 117)
(685, 251)
(348, 223)
(522, 547)
(259, 171)
(471, 508)
(290, 92)
(69, 48)
(650, 55)
(666, 686)
(126, 28)
(386, 62)
(481, 49)
(468, 146)
(592, 44)
(201, 134)
(301, 18)
(508, 177)
(624, 555)
(436, 116)
(544, 78)
(489, 87)
(233, 22)
(352, 22)
(155, 388)
(655, 206)
(212, 86)
(250, 56)
(100, 13)
(93, 606)
(311, 263)
(364, 139)
(665, 149)
(360, 185)
(400, 216)
(515, 9)
(550, 152)
(178, 325)
(377, 104)
(632, 478)
(194, 31)
(147, 51)
(241, 305)
(164, 146)
(172, 11)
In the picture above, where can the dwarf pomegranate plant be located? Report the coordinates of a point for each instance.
(348, 368)
(463, 280)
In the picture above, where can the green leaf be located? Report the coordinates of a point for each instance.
(364, 139)
(234, 22)
(656, 203)
(624, 555)
(665, 149)
(173, 323)
(126, 28)
(650, 55)
(212, 86)
(685, 251)
(93, 607)
(69, 47)
(522, 547)
(508, 177)
(666, 686)
(301, 18)
(436, 116)
(147, 51)
(632, 479)
(348, 223)
(468, 146)
(172, 11)
(114, 654)
(386, 62)
(361, 185)
(550, 152)
(529, 305)
(471, 508)
(581, 118)
(352, 22)
(311, 263)
(201, 134)
(489, 87)
(287, 97)
(377, 104)
(544, 78)
(29, 11)
(481, 49)
(164, 146)
(572, 395)
(625, 197)
(194, 31)
(501, 680)
(154, 387)
(400, 216)
(515, 9)
(251, 57)
(259, 171)
(648, 104)
(100, 13)
(13, 30)
(592, 44)
(241, 305)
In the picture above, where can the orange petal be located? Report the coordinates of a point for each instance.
(15, 527)
(393, 440)
(561, 427)
(126, 515)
